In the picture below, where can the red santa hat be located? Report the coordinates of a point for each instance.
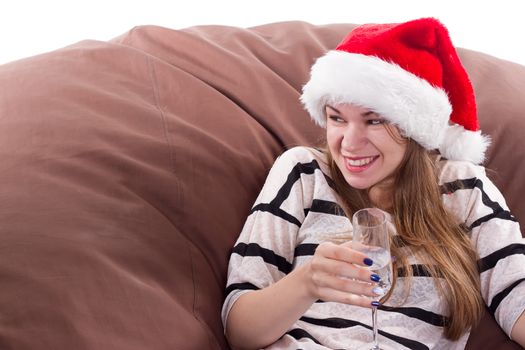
(410, 74)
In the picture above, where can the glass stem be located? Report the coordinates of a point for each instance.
(374, 326)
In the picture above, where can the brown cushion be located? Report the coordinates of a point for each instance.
(128, 168)
(498, 86)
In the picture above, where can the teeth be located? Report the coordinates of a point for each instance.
(360, 162)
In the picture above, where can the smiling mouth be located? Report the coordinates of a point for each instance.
(360, 161)
(359, 164)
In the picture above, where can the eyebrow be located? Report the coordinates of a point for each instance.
(365, 114)
(335, 109)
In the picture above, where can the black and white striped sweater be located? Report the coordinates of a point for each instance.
(297, 207)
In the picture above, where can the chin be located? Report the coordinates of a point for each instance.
(358, 185)
(366, 187)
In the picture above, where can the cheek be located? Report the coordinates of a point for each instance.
(397, 154)
(332, 139)
(394, 148)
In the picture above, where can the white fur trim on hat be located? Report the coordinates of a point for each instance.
(461, 144)
(420, 110)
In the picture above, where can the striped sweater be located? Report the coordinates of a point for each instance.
(297, 207)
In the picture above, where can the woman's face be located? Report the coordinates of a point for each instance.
(366, 153)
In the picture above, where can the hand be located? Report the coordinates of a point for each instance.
(337, 273)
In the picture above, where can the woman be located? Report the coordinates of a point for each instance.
(402, 135)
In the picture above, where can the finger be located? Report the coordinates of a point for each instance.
(347, 285)
(343, 269)
(343, 252)
(331, 295)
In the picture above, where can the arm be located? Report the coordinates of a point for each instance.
(518, 331)
(261, 317)
(263, 260)
(496, 234)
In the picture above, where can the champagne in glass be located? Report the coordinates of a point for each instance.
(371, 237)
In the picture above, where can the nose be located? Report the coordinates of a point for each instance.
(354, 137)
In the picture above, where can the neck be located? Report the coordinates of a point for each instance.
(381, 194)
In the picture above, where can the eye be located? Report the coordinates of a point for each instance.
(378, 121)
(336, 118)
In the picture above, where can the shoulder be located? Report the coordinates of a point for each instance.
(302, 156)
(452, 170)
(297, 172)
(465, 179)
(305, 164)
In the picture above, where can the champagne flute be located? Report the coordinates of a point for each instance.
(371, 237)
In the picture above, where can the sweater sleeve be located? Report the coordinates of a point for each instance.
(264, 251)
(496, 234)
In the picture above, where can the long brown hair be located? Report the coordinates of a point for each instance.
(430, 232)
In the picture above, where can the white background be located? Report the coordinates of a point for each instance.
(30, 27)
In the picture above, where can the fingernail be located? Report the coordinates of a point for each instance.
(378, 291)
(376, 303)
(375, 278)
(368, 262)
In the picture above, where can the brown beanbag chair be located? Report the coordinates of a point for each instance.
(128, 167)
